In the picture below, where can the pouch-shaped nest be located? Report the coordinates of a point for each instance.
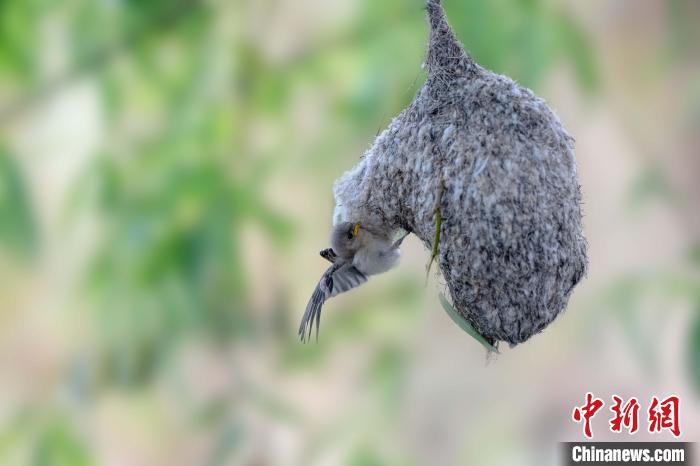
(499, 166)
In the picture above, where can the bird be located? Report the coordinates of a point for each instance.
(357, 251)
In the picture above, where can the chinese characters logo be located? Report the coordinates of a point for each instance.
(661, 414)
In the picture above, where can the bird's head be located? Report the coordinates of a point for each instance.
(345, 239)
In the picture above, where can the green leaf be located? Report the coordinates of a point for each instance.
(465, 325)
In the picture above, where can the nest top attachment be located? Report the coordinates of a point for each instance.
(445, 53)
(494, 162)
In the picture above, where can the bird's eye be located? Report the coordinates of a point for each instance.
(350, 235)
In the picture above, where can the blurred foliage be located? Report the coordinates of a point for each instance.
(624, 296)
(43, 438)
(523, 39)
(58, 445)
(18, 231)
(169, 263)
(18, 25)
(683, 31)
(201, 121)
(650, 185)
(694, 348)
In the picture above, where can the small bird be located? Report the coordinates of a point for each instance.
(356, 252)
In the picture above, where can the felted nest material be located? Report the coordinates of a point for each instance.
(498, 165)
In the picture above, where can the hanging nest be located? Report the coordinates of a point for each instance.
(489, 164)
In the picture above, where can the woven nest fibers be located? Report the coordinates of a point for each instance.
(493, 162)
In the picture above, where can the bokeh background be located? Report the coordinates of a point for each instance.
(165, 187)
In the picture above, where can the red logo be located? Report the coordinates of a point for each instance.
(625, 416)
(665, 415)
(662, 415)
(587, 412)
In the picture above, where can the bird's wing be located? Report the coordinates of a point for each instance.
(339, 278)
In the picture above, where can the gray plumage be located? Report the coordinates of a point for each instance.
(356, 252)
(512, 246)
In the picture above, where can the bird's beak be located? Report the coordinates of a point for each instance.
(356, 229)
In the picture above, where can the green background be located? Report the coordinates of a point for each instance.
(165, 187)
